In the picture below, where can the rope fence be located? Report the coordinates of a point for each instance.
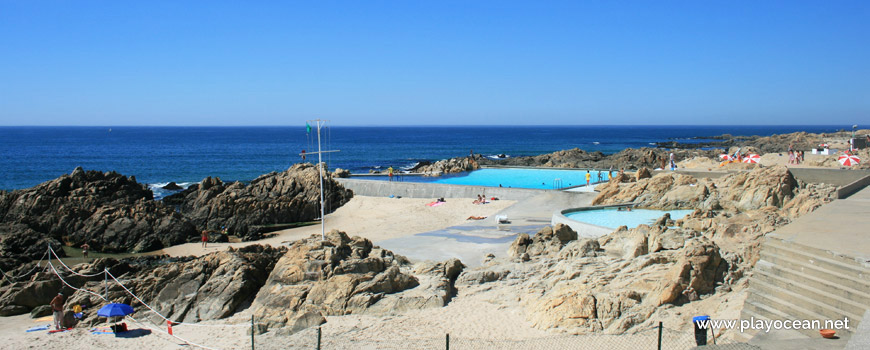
(313, 338)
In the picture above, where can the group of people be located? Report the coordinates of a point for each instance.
(794, 156)
(480, 200)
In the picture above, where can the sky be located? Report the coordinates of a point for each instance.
(434, 62)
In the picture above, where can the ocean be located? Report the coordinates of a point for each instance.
(158, 155)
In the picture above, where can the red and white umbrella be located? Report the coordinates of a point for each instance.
(752, 158)
(849, 159)
(725, 157)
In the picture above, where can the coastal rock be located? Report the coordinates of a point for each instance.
(109, 211)
(547, 240)
(20, 244)
(244, 210)
(334, 277)
(447, 166)
(626, 159)
(341, 173)
(172, 186)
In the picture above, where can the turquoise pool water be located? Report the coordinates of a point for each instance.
(515, 178)
(611, 218)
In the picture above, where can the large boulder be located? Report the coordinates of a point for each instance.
(447, 166)
(338, 276)
(548, 240)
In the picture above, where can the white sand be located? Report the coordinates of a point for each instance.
(375, 218)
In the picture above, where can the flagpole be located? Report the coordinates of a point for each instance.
(320, 152)
(320, 166)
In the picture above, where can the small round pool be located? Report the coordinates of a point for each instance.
(613, 218)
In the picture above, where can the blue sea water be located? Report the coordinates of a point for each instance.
(157, 155)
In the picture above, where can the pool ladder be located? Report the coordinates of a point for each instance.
(557, 184)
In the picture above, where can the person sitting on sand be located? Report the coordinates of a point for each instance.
(57, 310)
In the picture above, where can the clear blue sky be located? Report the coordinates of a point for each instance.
(434, 62)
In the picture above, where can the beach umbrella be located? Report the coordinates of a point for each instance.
(849, 159)
(725, 157)
(115, 310)
(752, 158)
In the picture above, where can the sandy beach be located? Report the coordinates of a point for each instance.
(374, 218)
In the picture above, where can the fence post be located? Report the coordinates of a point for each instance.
(318, 338)
(660, 335)
(448, 341)
(252, 332)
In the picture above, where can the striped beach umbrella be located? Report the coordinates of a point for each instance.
(752, 158)
(849, 159)
(724, 157)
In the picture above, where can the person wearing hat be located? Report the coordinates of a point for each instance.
(57, 308)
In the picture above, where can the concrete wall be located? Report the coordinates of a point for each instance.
(853, 187)
(377, 188)
(836, 177)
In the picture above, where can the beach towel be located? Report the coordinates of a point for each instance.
(435, 204)
(58, 330)
(44, 319)
(38, 328)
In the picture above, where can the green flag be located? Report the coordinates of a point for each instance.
(307, 128)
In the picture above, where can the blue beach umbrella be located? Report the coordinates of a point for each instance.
(115, 310)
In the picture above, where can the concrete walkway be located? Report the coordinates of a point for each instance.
(473, 240)
(841, 227)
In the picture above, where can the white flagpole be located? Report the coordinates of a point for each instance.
(320, 152)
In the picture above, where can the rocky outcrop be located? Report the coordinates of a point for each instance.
(109, 211)
(276, 198)
(334, 277)
(626, 159)
(772, 186)
(447, 166)
(20, 244)
(547, 240)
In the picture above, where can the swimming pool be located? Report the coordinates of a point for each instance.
(514, 178)
(612, 218)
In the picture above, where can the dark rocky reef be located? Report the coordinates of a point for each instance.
(109, 211)
(275, 198)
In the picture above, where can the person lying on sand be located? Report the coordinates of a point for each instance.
(476, 217)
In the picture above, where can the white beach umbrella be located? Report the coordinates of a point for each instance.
(752, 158)
(849, 160)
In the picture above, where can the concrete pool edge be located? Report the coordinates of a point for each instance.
(584, 229)
(379, 188)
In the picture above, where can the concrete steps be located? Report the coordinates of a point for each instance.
(795, 282)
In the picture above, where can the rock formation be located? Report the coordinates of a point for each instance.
(334, 277)
(275, 198)
(626, 159)
(109, 211)
(447, 166)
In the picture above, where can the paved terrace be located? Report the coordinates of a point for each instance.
(841, 227)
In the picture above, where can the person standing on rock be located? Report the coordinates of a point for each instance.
(57, 310)
(204, 238)
(673, 159)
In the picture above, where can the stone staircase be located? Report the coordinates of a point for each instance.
(797, 282)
